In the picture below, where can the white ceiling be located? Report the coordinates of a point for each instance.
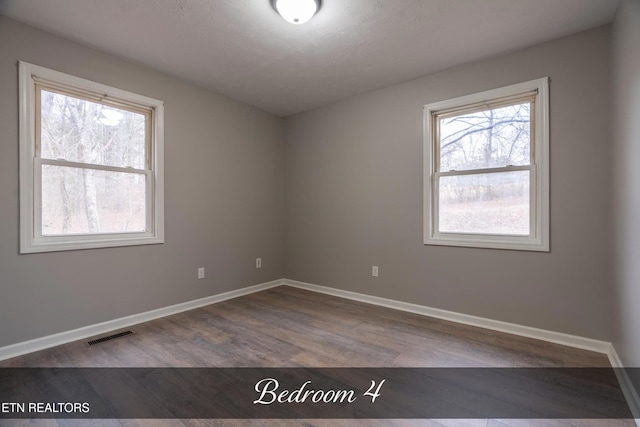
(244, 50)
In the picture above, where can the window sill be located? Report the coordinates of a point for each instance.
(488, 242)
(71, 243)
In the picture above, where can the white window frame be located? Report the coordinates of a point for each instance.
(31, 237)
(538, 239)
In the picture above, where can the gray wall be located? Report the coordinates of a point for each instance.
(626, 179)
(352, 186)
(354, 197)
(223, 202)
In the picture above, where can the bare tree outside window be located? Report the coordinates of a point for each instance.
(486, 169)
(483, 198)
(78, 198)
(91, 164)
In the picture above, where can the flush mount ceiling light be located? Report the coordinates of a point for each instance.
(296, 11)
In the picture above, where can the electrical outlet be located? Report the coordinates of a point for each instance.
(258, 262)
(201, 273)
(374, 271)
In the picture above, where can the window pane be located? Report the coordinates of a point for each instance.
(486, 139)
(83, 131)
(493, 203)
(81, 201)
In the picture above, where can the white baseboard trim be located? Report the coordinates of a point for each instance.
(627, 387)
(42, 343)
(496, 325)
(629, 391)
(614, 359)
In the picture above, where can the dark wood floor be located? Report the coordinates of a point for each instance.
(290, 327)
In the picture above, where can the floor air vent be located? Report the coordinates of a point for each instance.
(110, 337)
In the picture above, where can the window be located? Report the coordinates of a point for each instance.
(91, 164)
(486, 169)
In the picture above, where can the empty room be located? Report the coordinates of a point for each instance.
(305, 212)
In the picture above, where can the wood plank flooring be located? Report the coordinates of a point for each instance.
(290, 327)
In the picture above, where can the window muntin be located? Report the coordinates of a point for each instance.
(486, 169)
(91, 164)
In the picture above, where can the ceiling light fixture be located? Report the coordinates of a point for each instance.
(296, 11)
